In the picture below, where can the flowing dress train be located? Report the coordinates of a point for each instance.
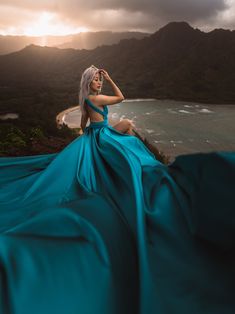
(104, 227)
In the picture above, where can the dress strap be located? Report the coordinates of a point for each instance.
(90, 104)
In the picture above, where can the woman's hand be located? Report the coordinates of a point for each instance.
(105, 74)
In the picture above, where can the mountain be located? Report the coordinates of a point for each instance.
(87, 40)
(91, 40)
(10, 43)
(177, 62)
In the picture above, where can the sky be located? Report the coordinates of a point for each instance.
(53, 17)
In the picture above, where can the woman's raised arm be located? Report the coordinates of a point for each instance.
(109, 100)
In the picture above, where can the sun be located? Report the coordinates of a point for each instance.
(48, 24)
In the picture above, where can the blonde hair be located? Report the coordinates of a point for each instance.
(87, 77)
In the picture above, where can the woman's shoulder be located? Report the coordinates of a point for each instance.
(95, 99)
(91, 97)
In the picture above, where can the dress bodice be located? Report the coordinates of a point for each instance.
(104, 113)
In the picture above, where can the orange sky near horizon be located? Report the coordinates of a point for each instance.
(64, 17)
(46, 24)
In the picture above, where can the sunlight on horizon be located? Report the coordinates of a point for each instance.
(47, 25)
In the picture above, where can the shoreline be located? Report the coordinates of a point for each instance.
(158, 153)
(60, 116)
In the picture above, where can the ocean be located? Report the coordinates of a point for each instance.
(176, 127)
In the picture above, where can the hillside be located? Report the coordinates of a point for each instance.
(177, 62)
(86, 40)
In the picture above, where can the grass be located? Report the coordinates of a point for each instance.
(165, 159)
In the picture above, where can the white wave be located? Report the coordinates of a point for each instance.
(205, 110)
(171, 110)
(115, 115)
(188, 106)
(160, 141)
(149, 131)
(178, 142)
(151, 112)
(185, 111)
(139, 99)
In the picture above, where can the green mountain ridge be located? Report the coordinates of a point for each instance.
(86, 40)
(177, 62)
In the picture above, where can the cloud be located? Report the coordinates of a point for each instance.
(224, 19)
(119, 15)
(138, 14)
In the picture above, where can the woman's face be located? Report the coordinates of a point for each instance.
(96, 83)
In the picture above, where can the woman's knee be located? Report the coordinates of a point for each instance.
(129, 127)
(125, 126)
(129, 123)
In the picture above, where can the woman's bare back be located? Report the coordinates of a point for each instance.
(93, 115)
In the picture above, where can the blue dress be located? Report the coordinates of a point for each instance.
(102, 227)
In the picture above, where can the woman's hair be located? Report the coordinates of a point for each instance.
(85, 82)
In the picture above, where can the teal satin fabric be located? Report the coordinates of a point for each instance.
(103, 227)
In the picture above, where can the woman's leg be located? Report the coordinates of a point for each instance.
(125, 126)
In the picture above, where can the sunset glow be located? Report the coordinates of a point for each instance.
(47, 24)
(61, 18)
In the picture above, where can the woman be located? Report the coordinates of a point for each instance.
(103, 227)
(90, 88)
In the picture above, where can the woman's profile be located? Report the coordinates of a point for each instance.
(90, 94)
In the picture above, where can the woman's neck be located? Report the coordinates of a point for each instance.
(93, 93)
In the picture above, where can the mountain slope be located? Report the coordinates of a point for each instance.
(87, 40)
(177, 62)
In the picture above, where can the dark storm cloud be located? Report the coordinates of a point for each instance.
(148, 15)
(169, 8)
(127, 14)
(163, 10)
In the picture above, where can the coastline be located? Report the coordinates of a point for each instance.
(60, 119)
(203, 134)
(60, 116)
(158, 153)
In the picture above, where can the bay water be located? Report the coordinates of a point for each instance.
(176, 127)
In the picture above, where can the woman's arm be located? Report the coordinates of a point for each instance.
(109, 100)
(84, 119)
